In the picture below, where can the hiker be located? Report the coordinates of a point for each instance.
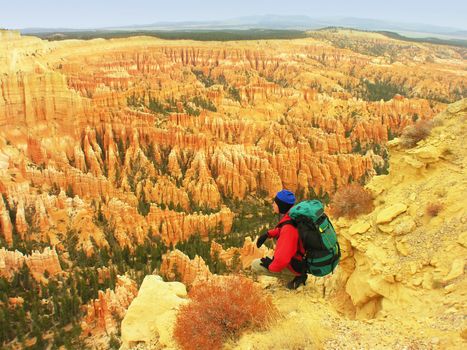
(289, 252)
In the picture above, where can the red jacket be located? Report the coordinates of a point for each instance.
(288, 246)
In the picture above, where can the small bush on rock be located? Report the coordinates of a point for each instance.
(414, 133)
(221, 309)
(433, 209)
(351, 201)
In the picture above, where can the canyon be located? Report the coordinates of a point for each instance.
(116, 152)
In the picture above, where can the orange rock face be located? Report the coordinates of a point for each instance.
(6, 228)
(37, 262)
(158, 134)
(106, 142)
(176, 265)
(246, 254)
(104, 313)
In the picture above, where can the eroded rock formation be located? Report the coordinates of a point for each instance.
(245, 254)
(401, 255)
(178, 266)
(157, 123)
(117, 141)
(37, 262)
(103, 314)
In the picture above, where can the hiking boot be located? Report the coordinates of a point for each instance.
(297, 281)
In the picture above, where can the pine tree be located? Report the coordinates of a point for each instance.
(177, 275)
(143, 205)
(69, 191)
(236, 263)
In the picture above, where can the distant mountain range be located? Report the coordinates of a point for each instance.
(281, 22)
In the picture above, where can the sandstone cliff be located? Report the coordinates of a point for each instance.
(37, 262)
(178, 266)
(103, 315)
(116, 120)
(124, 141)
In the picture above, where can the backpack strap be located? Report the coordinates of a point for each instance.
(336, 256)
(294, 224)
(288, 222)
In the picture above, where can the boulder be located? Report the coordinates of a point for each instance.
(462, 240)
(390, 213)
(402, 247)
(406, 225)
(426, 154)
(464, 334)
(427, 280)
(376, 187)
(359, 227)
(152, 313)
(457, 269)
(413, 162)
(386, 228)
(394, 143)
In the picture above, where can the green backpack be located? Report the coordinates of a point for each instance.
(322, 250)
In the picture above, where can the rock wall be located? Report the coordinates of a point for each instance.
(103, 315)
(37, 262)
(403, 254)
(178, 266)
(245, 254)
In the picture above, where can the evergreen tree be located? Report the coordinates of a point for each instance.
(236, 263)
(217, 266)
(143, 205)
(69, 191)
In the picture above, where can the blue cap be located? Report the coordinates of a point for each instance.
(286, 197)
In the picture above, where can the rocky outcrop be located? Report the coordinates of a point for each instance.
(178, 266)
(6, 228)
(151, 315)
(400, 257)
(103, 315)
(37, 262)
(245, 254)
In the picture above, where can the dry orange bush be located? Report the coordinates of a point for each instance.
(417, 132)
(351, 201)
(433, 209)
(221, 309)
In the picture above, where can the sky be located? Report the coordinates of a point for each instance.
(16, 14)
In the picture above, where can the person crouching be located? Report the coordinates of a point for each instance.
(289, 251)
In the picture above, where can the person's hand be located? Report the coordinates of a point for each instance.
(261, 240)
(266, 262)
